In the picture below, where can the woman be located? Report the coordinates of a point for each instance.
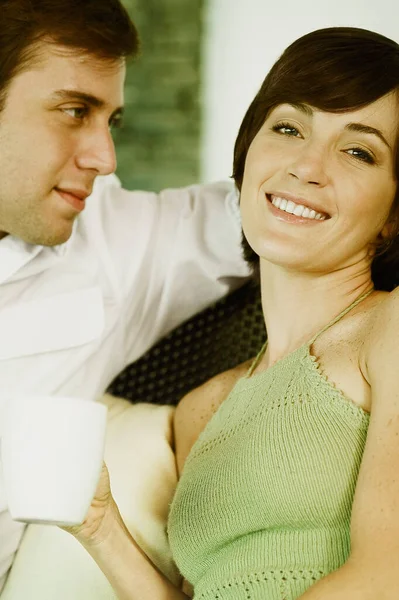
(288, 466)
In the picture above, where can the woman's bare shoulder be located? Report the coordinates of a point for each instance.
(383, 329)
(198, 406)
(384, 314)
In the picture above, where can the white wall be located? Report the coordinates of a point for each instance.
(245, 37)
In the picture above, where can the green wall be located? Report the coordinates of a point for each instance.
(159, 143)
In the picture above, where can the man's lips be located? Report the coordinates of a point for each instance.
(75, 198)
(80, 194)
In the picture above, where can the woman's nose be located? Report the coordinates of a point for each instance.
(309, 167)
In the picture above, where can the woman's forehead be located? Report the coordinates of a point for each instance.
(383, 113)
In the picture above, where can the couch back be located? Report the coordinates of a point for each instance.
(222, 336)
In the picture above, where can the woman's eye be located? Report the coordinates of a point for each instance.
(286, 129)
(77, 112)
(362, 155)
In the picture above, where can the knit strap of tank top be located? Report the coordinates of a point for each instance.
(335, 320)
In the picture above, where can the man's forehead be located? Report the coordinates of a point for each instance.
(48, 52)
(57, 69)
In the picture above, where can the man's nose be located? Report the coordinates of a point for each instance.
(98, 153)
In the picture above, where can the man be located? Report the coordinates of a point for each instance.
(91, 275)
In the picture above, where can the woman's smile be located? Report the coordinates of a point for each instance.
(306, 167)
(293, 212)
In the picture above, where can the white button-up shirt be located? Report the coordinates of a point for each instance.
(137, 265)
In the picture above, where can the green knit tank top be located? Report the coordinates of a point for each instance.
(263, 506)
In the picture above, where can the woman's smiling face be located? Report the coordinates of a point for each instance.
(334, 171)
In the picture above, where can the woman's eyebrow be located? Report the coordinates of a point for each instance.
(304, 108)
(356, 127)
(361, 128)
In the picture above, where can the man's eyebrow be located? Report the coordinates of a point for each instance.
(70, 95)
(360, 128)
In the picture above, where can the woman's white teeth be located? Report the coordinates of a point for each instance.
(296, 209)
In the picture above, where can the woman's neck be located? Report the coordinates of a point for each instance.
(297, 306)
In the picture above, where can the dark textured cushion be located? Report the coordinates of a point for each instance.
(213, 341)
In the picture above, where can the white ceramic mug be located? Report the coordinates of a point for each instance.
(52, 451)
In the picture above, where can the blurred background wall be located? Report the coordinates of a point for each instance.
(159, 144)
(202, 62)
(243, 38)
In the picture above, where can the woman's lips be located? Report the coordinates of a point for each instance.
(289, 217)
(297, 201)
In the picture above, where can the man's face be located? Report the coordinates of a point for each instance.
(54, 140)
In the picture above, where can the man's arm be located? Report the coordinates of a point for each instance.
(174, 253)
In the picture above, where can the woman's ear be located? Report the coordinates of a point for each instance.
(383, 239)
(387, 230)
(391, 227)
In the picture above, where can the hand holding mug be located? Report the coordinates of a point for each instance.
(52, 451)
(95, 526)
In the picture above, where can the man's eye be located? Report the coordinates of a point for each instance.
(286, 129)
(77, 112)
(116, 122)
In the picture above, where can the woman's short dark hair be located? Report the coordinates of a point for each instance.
(101, 28)
(337, 69)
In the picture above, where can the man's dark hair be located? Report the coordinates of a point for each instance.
(337, 69)
(101, 28)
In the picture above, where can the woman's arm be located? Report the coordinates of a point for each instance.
(103, 533)
(128, 569)
(372, 570)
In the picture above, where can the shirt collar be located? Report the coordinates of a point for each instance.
(16, 254)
